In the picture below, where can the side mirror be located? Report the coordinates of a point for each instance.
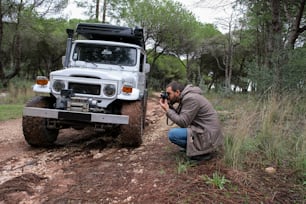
(147, 67)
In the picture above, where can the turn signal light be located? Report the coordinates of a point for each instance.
(41, 80)
(127, 89)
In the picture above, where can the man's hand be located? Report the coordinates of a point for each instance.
(164, 104)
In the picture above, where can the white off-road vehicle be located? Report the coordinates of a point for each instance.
(103, 85)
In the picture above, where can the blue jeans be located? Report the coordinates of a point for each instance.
(178, 136)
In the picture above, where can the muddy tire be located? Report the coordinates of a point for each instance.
(131, 134)
(35, 129)
(145, 107)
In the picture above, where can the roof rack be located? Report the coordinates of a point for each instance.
(100, 31)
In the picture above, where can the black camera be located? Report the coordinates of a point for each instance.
(164, 95)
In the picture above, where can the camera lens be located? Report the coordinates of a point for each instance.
(164, 95)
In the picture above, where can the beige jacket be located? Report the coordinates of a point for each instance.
(197, 114)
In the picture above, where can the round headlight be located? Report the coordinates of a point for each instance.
(58, 85)
(109, 90)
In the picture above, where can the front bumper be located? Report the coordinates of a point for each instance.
(75, 116)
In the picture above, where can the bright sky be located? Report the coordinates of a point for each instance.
(209, 11)
(217, 12)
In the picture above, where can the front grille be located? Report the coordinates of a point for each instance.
(91, 89)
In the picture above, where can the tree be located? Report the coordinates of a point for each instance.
(92, 8)
(110, 9)
(47, 39)
(296, 15)
(167, 68)
(277, 26)
(13, 16)
(228, 55)
(170, 29)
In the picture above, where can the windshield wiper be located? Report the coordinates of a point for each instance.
(92, 63)
(122, 67)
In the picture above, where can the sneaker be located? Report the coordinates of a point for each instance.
(203, 157)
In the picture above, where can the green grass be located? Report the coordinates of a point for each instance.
(10, 111)
(266, 131)
(14, 97)
(183, 165)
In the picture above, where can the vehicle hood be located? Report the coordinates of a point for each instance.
(93, 73)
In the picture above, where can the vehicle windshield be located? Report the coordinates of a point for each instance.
(105, 54)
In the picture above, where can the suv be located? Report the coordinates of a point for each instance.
(103, 85)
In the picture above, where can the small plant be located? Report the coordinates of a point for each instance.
(216, 180)
(183, 166)
(162, 172)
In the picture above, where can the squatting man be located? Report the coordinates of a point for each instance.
(199, 132)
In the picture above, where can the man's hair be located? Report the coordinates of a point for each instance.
(176, 86)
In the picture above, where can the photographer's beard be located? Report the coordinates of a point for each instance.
(175, 99)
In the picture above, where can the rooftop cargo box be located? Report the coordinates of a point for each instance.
(100, 31)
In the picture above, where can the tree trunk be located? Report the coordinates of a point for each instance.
(104, 11)
(1, 36)
(276, 45)
(295, 29)
(16, 49)
(97, 10)
(188, 70)
(229, 59)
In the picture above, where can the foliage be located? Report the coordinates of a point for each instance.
(216, 180)
(276, 27)
(167, 68)
(168, 25)
(260, 76)
(47, 40)
(16, 20)
(48, 46)
(170, 29)
(292, 78)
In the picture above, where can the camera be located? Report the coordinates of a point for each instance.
(164, 95)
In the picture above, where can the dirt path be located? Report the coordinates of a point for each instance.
(81, 164)
(85, 168)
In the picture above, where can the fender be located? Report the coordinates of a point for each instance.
(44, 89)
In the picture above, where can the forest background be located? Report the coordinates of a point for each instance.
(261, 54)
(263, 48)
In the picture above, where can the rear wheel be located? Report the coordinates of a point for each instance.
(35, 129)
(131, 134)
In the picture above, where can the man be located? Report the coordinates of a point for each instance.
(199, 129)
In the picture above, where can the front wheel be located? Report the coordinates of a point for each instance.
(35, 129)
(131, 134)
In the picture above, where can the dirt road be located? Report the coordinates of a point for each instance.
(84, 167)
